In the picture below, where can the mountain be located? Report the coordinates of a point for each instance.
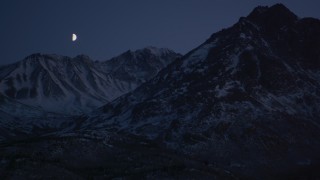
(137, 65)
(76, 85)
(243, 105)
(246, 100)
(19, 120)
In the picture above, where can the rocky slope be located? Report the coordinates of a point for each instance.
(248, 99)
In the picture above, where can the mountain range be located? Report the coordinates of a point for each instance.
(77, 85)
(243, 105)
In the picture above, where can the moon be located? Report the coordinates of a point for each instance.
(74, 37)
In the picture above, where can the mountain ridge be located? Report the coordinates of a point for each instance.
(250, 89)
(47, 80)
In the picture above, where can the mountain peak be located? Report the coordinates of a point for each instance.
(82, 56)
(41, 55)
(156, 51)
(276, 14)
(34, 56)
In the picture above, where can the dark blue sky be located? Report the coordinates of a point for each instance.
(110, 27)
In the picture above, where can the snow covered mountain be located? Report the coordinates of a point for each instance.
(247, 99)
(76, 85)
(136, 66)
(243, 105)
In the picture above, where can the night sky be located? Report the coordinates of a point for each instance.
(108, 28)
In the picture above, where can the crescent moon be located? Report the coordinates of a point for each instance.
(74, 37)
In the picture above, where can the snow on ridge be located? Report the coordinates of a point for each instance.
(200, 54)
(158, 51)
(83, 83)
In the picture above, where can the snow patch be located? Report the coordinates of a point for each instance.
(198, 55)
(243, 36)
(223, 91)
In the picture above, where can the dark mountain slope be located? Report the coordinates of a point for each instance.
(247, 99)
